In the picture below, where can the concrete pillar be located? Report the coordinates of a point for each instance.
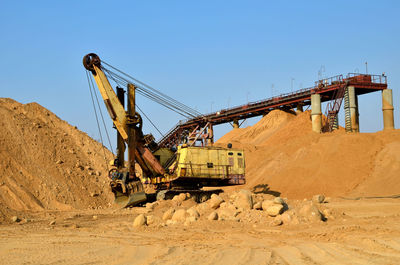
(210, 140)
(353, 104)
(387, 109)
(299, 108)
(316, 114)
(235, 124)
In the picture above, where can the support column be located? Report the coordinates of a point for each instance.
(353, 104)
(235, 124)
(387, 109)
(210, 140)
(316, 114)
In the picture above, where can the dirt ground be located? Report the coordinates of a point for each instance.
(366, 231)
(56, 204)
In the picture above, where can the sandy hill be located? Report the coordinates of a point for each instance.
(45, 163)
(283, 153)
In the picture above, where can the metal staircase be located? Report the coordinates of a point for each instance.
(333, 108)
(347, 111)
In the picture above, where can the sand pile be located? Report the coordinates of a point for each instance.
(45, 163)
(284, 155)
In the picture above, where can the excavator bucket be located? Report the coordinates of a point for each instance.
(129, 195)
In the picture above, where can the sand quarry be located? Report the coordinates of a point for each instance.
(309, 199)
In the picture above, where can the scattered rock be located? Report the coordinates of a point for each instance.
(168, 214)
(15, 219)
(52, 222)
(266, 204)
(276, 222)
(150, 219)
(171, 222)
(310, 212)
(140, 220)
(151, 205)
(244, 200)
(257, 206)
(318, 198)
(275, 210)
(94, 194)
(213, 216)
(215, 201)
(202, 208)
(279, 200)
(227, 214)
(193, 212)
(59, 162)
(179, 215)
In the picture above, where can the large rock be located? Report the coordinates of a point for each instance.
(244, 200)
(275, 210)
(266, 204)
(213, 216)
(179, 215)
(168, 214)
(310, 212)
(279, 200)
(257, 206)
(140, 220)
(318, 198)
(215, 201)
(227, 213)
(193, 212)
(203, 208)
(150, 219)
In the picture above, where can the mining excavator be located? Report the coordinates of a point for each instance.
(184, 168)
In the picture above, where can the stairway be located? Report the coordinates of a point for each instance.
(333, 107)
(347, 111)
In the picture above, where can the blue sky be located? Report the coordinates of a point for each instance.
(206, 54)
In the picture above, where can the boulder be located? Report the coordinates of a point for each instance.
(310, 212)
(257, 206)
(266, 204)
(276, 222)
(193, 212)
(215, 201)
(318, 198)
(275, 210)
(243, 199)
(15, 219)
(140, 220)
(150, 219)
(279, 200)
(168, 214)
(213, 216)
(227, 214)
(179, 215)
(202, 208)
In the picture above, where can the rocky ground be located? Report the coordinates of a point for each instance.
(234, 228)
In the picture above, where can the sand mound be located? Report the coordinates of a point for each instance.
(45, 163)
(283, 154)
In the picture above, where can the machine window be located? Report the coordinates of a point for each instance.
(210, 165)
(239, 154)
(230, 154)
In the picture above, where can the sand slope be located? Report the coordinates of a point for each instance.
(283, 153)
(45, 163)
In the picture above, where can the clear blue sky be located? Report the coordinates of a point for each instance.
(206, 54)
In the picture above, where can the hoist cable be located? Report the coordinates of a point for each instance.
(121, 81)
(97, 120)
(161, 95)
(144, 114)
(102, 117)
